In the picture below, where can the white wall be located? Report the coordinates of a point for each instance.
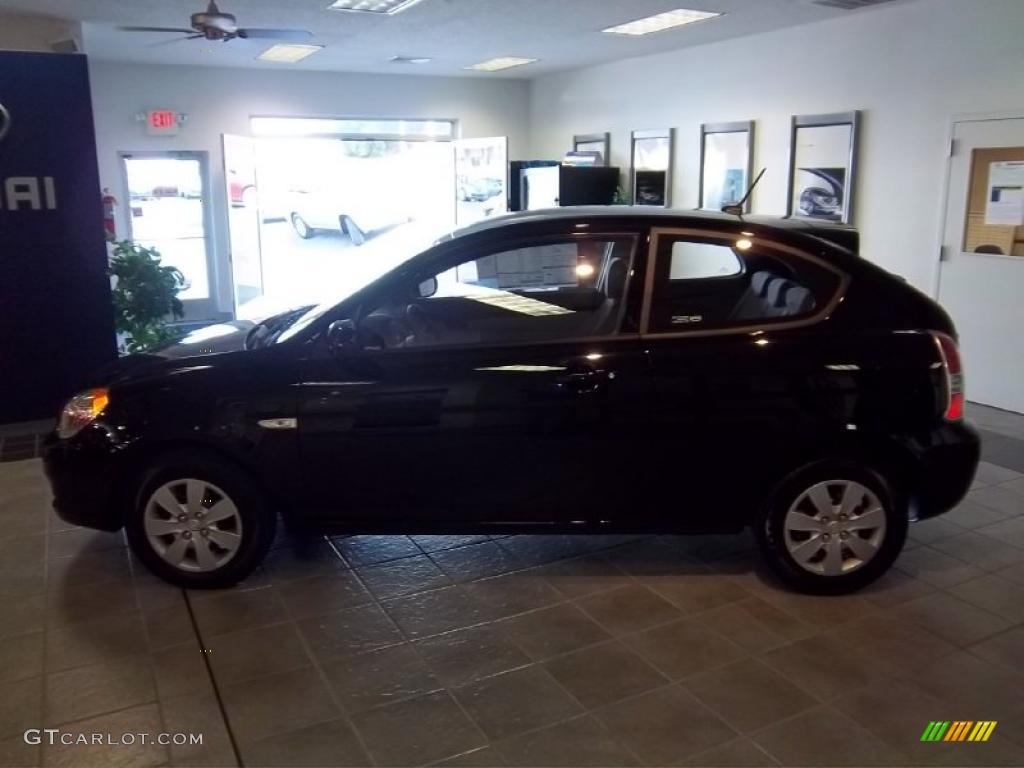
(910, 67)
(220, 101)
(22, 32)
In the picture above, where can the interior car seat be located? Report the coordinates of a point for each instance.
(753, 303)
(614, 289)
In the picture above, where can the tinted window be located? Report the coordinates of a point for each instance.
(693, 261)
(557, 289)
(712, 283)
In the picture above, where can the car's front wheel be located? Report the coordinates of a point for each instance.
(198, 522)
(832, 528)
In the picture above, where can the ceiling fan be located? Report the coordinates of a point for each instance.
(214, 25)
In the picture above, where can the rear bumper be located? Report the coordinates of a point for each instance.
(947, 463)
(83, 481)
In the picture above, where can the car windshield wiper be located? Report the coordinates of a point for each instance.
(263, 334)
(255, 336)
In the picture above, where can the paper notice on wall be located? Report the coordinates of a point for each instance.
(1004, 202)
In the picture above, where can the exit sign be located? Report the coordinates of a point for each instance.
(162, 122)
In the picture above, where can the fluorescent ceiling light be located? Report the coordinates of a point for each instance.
(288, 53)
(410, 60)
(500, 63)
(388, 7)
(661, 22)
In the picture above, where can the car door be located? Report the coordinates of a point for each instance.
(730, 326)
(510, 394)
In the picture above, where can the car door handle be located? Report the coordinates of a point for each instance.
(582, 380)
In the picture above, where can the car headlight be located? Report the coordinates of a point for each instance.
(81, 410)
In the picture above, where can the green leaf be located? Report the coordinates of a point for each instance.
(145, 296)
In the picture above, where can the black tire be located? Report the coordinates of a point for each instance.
(769, 529)
(355, 234)
(302, 229)
(258, 522)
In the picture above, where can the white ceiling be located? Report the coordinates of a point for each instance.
(563, 34)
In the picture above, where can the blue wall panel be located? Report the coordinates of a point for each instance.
(56, 320)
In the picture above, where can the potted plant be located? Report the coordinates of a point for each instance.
(145, 296)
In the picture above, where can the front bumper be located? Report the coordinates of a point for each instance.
(83, 479)
(946, 469)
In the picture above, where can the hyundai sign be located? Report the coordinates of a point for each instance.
(56, 318)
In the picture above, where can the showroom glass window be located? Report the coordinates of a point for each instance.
(713, 283)
(550, 290)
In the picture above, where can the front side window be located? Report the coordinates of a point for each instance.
(546, 291)
(711, 283)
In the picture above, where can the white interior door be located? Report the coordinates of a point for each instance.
(243, 219)
(981, 276)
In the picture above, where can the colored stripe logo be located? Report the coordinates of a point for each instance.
(958, 730)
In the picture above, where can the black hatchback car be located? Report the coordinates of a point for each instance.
(585, 369)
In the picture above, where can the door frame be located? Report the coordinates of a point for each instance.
(194, 309)
(940, 235)
(224, 138)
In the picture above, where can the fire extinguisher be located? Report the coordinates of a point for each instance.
(109, 222)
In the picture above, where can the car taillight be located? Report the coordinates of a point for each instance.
(954, 372)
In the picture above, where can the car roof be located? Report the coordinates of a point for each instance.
(838, 234)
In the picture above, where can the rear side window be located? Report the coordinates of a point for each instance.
(696, 261)
(720, 282)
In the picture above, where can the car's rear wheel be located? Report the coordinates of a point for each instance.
(302, 229)
(832, 528)
(355, 234)
(198, 522)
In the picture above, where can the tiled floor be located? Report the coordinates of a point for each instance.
(526, 650)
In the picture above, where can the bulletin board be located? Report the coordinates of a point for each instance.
(995, 207)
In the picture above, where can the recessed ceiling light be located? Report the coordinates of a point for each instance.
(502, 62)
(388, 7)
(288, 53)
(662, 21)
(410, 60)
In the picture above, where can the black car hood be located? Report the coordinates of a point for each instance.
(211, 340)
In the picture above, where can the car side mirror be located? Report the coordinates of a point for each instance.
(427, 288)
(343, 337)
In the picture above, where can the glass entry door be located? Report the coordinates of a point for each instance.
(169, 203)
(243, 218)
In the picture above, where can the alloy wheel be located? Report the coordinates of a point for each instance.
(193, 525)
(834, 527)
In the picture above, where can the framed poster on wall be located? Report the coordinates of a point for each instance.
(726, 164)
(481, 178)
(823, 166)
(651, 167)
(593, 142)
